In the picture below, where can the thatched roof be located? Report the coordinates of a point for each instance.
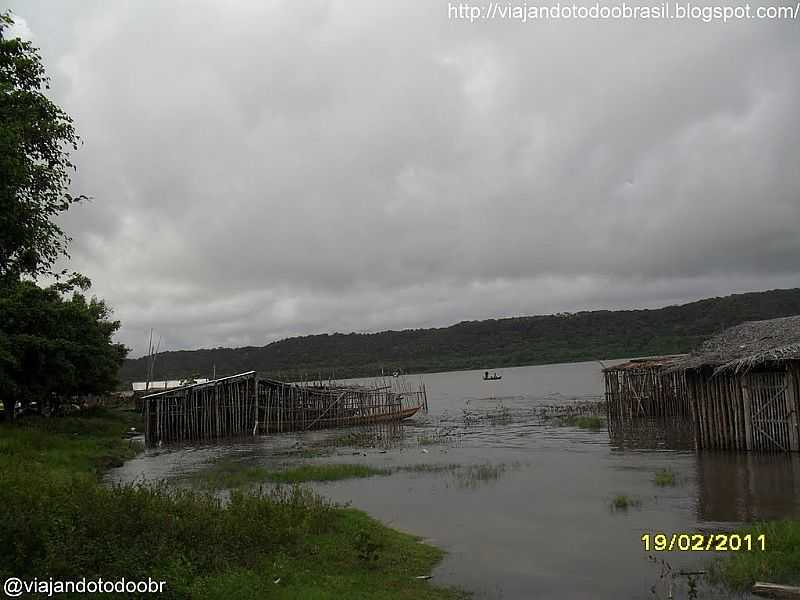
(646, 363)
(749, 345)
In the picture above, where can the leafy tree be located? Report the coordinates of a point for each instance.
(35, 139)
(55, 344)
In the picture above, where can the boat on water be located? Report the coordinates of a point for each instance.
(492, 377)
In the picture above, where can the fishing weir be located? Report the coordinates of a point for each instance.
(246, 405)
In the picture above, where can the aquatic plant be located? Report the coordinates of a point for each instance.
(428, 468)
(231, 474)
(583, 421)
(430, 440)
(623, 502)
(471, 476)
(665, 477)
(325, 472)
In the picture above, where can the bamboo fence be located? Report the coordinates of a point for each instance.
(244, 404)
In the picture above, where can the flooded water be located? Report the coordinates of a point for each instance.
(521, 504)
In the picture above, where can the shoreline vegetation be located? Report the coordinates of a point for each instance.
(473, 345)
(226, 474)
(58, 520)
(780, 563)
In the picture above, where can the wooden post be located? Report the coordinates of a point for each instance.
(792, 408)
(748, 414)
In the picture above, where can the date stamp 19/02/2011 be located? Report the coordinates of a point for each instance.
(702, 542)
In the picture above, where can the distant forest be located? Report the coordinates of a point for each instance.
(490, 344)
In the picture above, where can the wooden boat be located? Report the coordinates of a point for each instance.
(359, 420)
(289, 407)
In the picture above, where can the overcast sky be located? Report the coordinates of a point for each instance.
(267, 169)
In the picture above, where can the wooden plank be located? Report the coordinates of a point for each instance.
(775, 590)
(791, 408)
(748, 423)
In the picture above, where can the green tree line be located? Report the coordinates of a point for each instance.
(485, 344)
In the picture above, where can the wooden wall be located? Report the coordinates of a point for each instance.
(646, 392)
(753, 411)
(245, 405)
(202, 412)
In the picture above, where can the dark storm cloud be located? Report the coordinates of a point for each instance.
(268, 169)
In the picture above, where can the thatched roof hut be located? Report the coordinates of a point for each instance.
(747, 346)
(744, 387)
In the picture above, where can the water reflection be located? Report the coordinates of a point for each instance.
(736, 487)
(651, 434)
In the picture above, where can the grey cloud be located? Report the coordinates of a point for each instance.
(271, 169)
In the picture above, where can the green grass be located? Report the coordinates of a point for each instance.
(57, 521)
(476, 475)
(592, 422)
(588, 422)
(623, 502)
(665, 478)
(231, 474)
(66, 447)
(227, 474)
(358, 439)
(324, 472)
(429, 468)
(780, 563)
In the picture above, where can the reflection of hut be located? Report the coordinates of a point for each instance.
(747, 486)
(743, 385)
(645, 387)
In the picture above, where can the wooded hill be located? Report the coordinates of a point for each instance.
(489, 344)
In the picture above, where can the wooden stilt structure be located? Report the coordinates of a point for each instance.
(645, 388)
(244, 404)
(739, 391)
(744, 387)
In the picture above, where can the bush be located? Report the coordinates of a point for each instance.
(780, 563)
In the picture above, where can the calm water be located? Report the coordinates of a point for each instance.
(523, 506)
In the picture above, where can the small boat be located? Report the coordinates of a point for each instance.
(492, 377)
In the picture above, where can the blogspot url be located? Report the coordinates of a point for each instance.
(524, 12)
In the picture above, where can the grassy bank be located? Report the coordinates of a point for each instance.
(779, 563)
(57, 521)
